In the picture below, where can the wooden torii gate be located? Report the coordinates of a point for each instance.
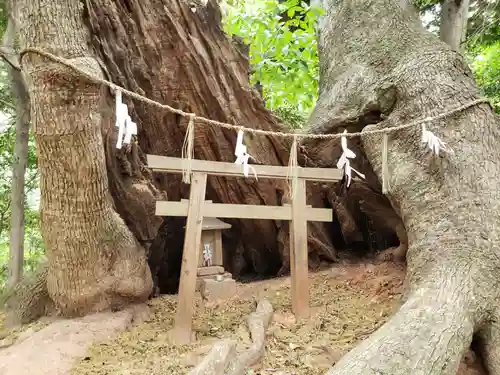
(197, 208)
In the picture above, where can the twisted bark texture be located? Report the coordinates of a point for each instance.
(177, 54)
(378, 61)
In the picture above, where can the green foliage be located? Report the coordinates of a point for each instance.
(486, 65)
(6, 101)
(483, 25)
(4, 15)
(33, 244)
(283, 53)
(481, 46)
(290, 115)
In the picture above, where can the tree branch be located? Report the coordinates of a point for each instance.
(10, 57)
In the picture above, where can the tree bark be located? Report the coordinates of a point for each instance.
(380, 66)
(177, 54)
(453, 25)
(22, 100)
(94, 260)
(181, 57)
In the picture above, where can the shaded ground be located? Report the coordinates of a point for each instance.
(348, 303)
(51, 349)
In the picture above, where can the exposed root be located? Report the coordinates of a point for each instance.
(222, 360)
(29, 300)
(397, 254)
(217, 359)
(426, 320)
(66, 340)
(490, 341)
(257, 325)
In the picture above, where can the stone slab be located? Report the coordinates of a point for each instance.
(218, 290)
(199, 279)
(208, 271)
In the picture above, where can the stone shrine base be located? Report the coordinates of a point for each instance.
(214, 283)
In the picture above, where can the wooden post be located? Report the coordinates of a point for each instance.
(219, 253)
(298, 252)
(182, 331)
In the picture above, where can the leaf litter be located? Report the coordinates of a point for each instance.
(348, 303)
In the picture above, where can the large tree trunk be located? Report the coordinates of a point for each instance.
(181, 57)
(378, 61)
(453, 25)
(94, 260)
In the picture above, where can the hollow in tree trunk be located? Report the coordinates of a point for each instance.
(379, 65)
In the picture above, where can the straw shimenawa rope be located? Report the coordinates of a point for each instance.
(385, 164)
(225, 125)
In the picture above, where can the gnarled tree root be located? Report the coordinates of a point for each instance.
(222, 359)
(217, 359)
(29, 299)
(427, 336)
(489, 338)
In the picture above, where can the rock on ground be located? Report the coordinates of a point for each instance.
(54, 349)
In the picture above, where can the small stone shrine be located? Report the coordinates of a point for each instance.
(212, 280)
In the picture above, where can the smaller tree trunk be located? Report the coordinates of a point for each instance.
(454, 14)
(21, 97)
(18, 174)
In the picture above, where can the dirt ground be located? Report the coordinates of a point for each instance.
(348, 303)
